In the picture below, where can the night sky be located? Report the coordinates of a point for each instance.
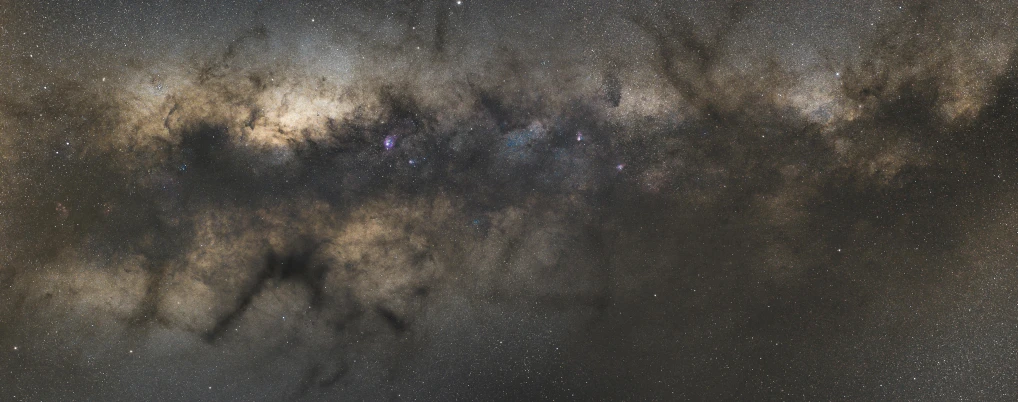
(481, 200)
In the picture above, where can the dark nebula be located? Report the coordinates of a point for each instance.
(490, 200)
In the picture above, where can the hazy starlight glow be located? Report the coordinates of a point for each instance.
(508, 200)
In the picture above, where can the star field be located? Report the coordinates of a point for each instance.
(485, 200)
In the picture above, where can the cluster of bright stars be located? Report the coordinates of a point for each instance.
(389, 142)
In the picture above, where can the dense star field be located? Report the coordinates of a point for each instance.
(490, 200)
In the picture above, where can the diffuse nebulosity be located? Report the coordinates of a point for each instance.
(471, 200)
